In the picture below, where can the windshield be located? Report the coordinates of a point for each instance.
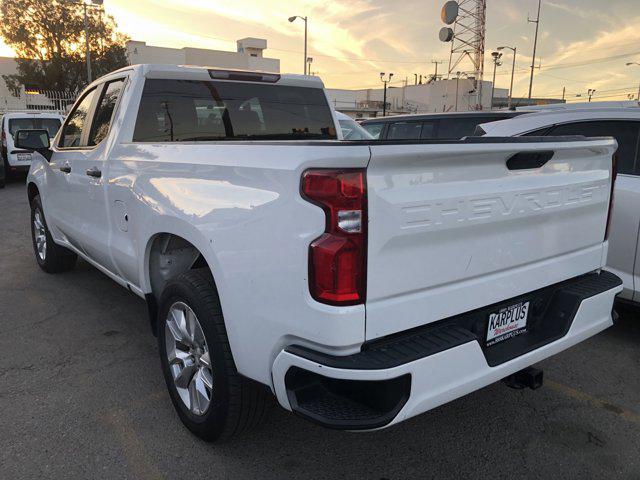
(51, 125)
(352, 131)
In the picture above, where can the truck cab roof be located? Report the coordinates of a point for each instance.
(195, 72)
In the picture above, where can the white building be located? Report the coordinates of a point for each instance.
(249, 56)
(28, 97)
(432, 97)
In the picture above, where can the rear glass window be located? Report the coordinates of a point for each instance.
(51, 125)
(190, 110)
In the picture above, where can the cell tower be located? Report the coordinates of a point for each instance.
(467, 37)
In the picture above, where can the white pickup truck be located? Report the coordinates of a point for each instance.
(361, 283)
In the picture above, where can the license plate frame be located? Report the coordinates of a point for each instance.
(508, 322)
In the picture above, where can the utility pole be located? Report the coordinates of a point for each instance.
(404, 89)
(496, 62)
(384, 100)
(535, 46)
(564, 93)
(86, 37)
(513, 69)
(457, 84)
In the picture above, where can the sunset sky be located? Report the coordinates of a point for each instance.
(352, 41)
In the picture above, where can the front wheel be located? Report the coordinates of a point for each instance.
(51, 258)
(211, 398)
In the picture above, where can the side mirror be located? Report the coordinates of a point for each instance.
(34, 140)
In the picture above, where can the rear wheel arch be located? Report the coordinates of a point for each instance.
(167, 256)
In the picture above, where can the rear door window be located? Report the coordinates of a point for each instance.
(457, 127)
(190, 110)
(404, 131)
(104, 112)
(625, 132)
(428, 130)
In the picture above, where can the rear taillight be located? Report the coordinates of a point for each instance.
(337, 259)
(614, 175)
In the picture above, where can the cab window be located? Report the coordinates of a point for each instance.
(77, 122)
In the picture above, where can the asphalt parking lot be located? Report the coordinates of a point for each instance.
(82, 396)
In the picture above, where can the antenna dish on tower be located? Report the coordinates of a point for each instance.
(468, 20)
(449, 12)
(446, 34)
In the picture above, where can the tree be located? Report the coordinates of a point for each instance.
(49, 39)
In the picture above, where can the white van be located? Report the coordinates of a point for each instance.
(17, 160)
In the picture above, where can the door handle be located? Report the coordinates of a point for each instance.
(94, 172)
(65, 169)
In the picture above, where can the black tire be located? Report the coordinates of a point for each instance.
(7, 169)
(237, 403)
(56, 259)
(4, 171)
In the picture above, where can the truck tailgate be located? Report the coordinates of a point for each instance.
(452, 228)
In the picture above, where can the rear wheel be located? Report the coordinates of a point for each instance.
(51, 258)
(211, 398)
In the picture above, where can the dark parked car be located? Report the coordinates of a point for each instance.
(433, 126)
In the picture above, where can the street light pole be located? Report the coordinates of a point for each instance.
(85, 6)
(496, 61)
(384, 98)
(591, 93)
(293, 19)
(513, 69)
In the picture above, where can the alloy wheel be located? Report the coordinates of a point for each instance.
(188, 357)
(40, 235)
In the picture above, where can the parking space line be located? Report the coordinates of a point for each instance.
(594, 402)
(136, 455)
